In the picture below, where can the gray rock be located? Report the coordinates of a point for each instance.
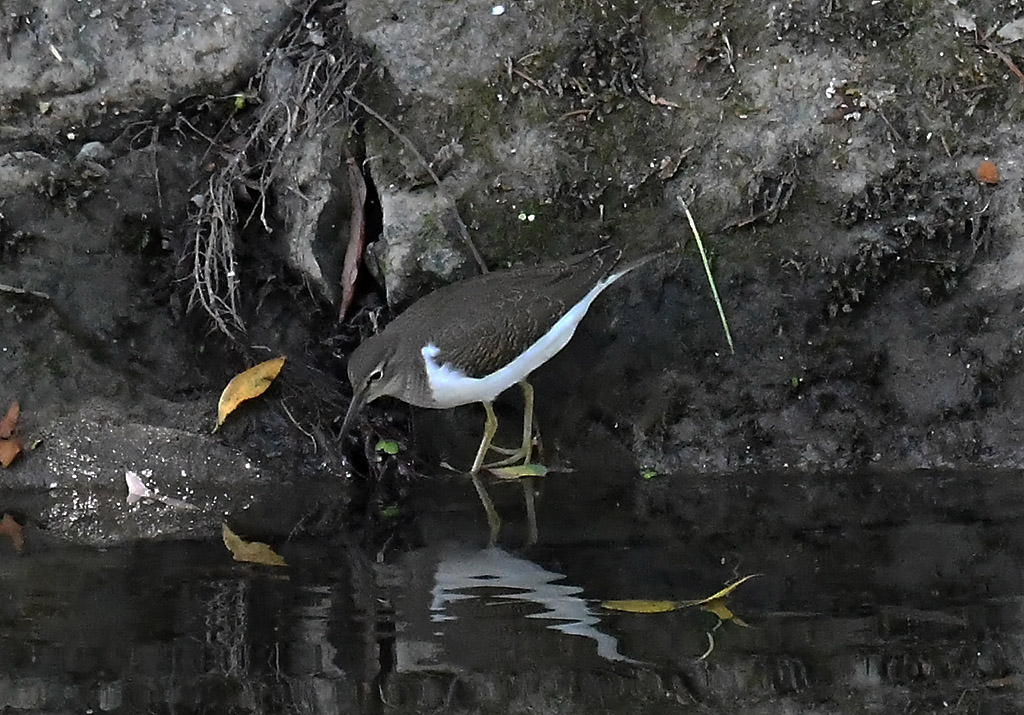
(76, 66)
(94, 151)
(313, 198)
(419, 249)
(21, 171)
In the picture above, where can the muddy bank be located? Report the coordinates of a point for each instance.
(829, 153)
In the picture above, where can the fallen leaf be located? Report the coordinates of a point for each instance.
(9, 449)
(520, 471)
(718, 608)
(987, 172)
(720, 594)
(12, 529)
(246, 385)
(356, 236)
(641, 606)
(10, 420)
(136, 489)
(255, 552)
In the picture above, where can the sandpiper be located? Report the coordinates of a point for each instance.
(472, 340)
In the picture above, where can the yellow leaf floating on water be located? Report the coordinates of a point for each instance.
(714, 603)
(246, 385)
(720, 594)
(718, 608)
(520, 471)
(255, 552)
(641, 606)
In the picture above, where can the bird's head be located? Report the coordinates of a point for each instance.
(373, 373)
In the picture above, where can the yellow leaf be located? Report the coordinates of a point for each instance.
(641, 606)
(713, 603)
(718, 608)
(246, 385)
(255, 552)
(520, 471)
(720, 594)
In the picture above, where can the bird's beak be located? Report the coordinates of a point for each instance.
(358, 400)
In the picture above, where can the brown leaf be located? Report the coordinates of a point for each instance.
(987, 172)
(254, 552)
(246, 385)
(356, 236)
(12, 529)
(10, 420)
(9, 449)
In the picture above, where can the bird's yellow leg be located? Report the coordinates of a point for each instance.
(493, 520)
(523, 454)
(490, 427)
(525, 450)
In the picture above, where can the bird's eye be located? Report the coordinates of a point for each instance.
(377, 374)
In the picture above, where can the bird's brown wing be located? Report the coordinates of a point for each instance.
(482, 323)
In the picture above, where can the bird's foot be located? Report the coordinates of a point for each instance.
(515, 456)
(504, 450)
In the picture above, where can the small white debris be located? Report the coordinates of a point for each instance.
(56, 53)
(498, 10)
(136, 489)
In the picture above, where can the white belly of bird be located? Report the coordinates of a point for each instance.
(451, 387)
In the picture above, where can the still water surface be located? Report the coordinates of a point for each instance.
(920, 613)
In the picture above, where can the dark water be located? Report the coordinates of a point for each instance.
(922, 613)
